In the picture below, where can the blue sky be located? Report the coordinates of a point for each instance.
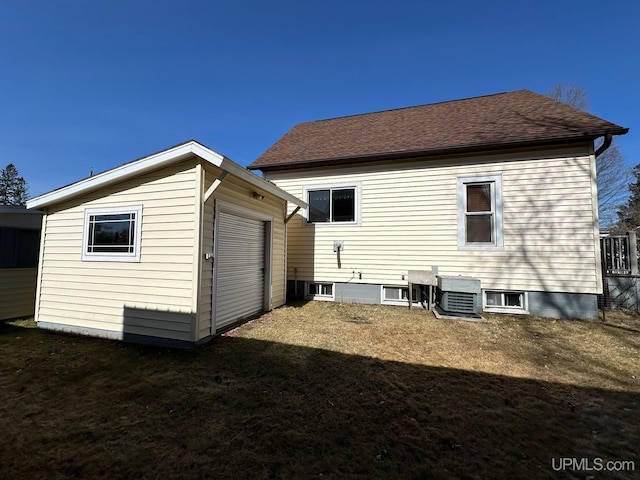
(94, 84)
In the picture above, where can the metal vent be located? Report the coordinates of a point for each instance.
(458, 302)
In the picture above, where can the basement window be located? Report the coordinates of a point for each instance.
(320, 291)
(112, 234)
(505, 301)
(399, 295)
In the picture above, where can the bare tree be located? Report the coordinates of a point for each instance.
(611, 169)
(571, 94)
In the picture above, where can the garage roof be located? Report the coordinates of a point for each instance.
(153, 162)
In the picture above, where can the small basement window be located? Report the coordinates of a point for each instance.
(112, 234)
(399, 295)
(506, 302)
(320, 291)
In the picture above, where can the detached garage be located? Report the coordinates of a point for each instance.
(169, 249)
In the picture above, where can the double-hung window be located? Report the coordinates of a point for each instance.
(112, 234)
(333, 204)
(480, 212)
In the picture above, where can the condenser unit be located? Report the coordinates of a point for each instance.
(458, 302)
(459, 294)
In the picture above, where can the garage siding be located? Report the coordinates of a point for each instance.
(152, 297)
(17, 292)
(237, 192)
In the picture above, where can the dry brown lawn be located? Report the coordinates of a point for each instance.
(327, 390)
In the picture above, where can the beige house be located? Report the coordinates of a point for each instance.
(495, 197)
(168, 249)
(19, 237)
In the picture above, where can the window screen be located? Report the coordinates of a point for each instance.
(479, 213)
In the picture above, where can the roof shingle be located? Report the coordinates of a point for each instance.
(503, 120)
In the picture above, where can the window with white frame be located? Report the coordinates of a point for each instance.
(320, 290)
(480, 211)
(505, 301)
(399, 295)
(329, 204)
(112, 234)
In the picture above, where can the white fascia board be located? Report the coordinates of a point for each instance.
(129, 170)
(154, 162)
(258, 182)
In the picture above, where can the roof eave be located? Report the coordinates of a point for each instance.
(155, 162)
(407, 154)
(235, 169)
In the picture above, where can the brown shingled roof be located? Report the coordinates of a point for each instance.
(504, 120)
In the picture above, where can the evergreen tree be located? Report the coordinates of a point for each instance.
(13, 188)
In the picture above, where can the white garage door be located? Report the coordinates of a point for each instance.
(240, 268)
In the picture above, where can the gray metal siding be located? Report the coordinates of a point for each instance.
(240, 267)
(357, 293)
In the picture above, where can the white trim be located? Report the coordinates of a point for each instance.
(107, 256)
(505, 309)
(357, 186)
(155, 162)
(401, 302)
(216, 183)
(326, 298)
(198, 257)
(43, 232)
(497, 204)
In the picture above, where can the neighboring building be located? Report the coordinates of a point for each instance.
(168, 249)
(19, 240)
(500, 190)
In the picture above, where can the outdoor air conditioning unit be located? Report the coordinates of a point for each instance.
(458, 302)
(459, 294)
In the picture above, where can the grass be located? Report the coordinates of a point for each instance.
(325, 390)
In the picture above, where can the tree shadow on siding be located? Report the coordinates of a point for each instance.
(544, 233)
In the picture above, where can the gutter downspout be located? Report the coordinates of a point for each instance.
(605, 287)
(606, 144)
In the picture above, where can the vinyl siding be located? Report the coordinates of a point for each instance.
(237, 192)
(409, 221)
(17, 292)
(153, 297)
